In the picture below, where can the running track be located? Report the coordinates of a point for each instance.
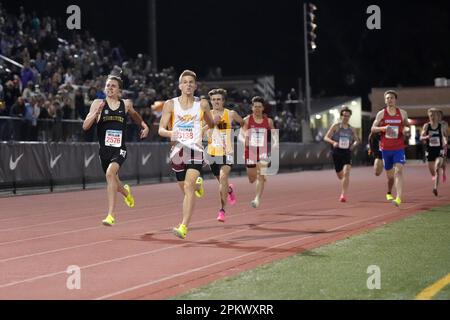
(139, 258)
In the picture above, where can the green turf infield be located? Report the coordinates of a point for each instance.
(411, 254)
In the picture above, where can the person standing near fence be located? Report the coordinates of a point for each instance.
(110, 115)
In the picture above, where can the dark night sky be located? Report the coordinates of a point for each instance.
(248, 37)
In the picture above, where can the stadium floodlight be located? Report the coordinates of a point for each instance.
(311, 26)
(309, 35)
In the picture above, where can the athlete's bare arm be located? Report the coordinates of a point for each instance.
(237, 118)
(445, 128)
(136, 118)
(406, 129)
(165, 118)
(423, 135)
(243, 130)
(375, 126)
(355, 139)
(329, 135)
(444, 136)
(275, 139)
(94, 113)
(207, 116)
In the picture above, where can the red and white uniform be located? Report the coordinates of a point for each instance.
(257, 141)
(393, 138)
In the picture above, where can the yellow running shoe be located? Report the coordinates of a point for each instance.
(109, 221)
(389, 197)
(397, 202)
(180, 232)
(201, 191)
(129, 200)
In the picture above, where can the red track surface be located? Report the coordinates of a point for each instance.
(139, 258)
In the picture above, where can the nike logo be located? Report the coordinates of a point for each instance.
(307, 154)
(167, 159)
(88, 160)
(13, 164)
(283, 154)
(295, 154)
(145, 159)
(54, 161)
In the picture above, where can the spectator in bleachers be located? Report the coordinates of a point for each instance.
(28, 92)
(80, 105)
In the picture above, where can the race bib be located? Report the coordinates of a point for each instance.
(344, 142)
(257, 137)
(435, 142)
(219, 139)
(183, 133)
(392, 132)
(113, 138)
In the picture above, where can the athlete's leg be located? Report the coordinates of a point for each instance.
(444, 167)
(252, 174)
(181, 185)
(398, 175)
(437, 167)
(378, 167)
(223, 185)
(260, 181)
(345, 179)
(189, 196)
(390, 180)
(112, 187)
(120, 187)
(432, 168)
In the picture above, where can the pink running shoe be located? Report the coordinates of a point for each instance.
(221, 216)
(342, 198)
(231, 198)
(433, 178)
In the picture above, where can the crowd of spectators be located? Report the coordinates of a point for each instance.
(61, 74)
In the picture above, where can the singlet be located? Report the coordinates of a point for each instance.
(187, 125)
(344, 137)
(435, 140)
(392, 139)
(111, 128)
(219, 140)
(258, 133)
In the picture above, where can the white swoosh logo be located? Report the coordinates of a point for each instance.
(295, 154)
(88, 160)
(167, 159)
(145, 159)
(54, 161)
(13, 164)
(283, 154)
